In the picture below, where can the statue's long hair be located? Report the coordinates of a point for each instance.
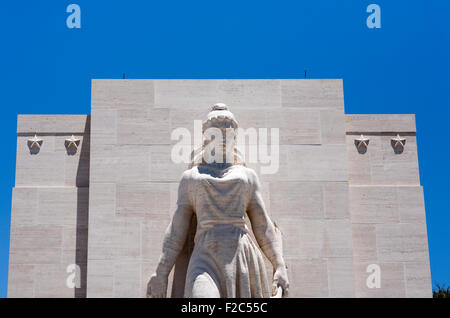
(198, 157)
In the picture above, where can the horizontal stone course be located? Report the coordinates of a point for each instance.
(392, 280)
(402, 242)
(31, 124)
(376, 123)
(386, 204)
(204, 93)
(115, 93)
(310, 275)
(313, 93)
(341, 280)
(418, 280)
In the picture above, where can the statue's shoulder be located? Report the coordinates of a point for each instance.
(189, 174)
(250, 174)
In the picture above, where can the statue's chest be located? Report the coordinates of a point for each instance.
(231, 190)
(232, 182)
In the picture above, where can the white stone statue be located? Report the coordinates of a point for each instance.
(219, 189)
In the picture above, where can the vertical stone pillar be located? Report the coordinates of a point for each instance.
(387, 207)
(49, 216)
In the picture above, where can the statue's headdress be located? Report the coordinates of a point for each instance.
(219, 113)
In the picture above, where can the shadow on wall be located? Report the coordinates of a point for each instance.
(82, 183)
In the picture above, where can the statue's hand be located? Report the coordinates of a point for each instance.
(157, 286)
(280, 279)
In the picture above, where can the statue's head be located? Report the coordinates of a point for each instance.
(219, 134)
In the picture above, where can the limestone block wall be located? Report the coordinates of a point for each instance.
(49, 207)
(133, 182)
(387, 207)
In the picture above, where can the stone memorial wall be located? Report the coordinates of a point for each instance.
(345, 193)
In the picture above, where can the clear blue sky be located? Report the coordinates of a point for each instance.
(403, 67)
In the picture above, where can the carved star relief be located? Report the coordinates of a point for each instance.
(35, 142)
(398, 141)
(72, 142)
(362, 141)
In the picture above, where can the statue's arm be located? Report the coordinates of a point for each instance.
(174, 239)
(266, 234)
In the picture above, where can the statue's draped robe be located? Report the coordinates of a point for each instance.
(224, 253)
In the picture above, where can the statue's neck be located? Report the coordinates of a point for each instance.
(220, 166)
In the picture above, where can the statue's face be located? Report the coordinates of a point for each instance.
(220, 141)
